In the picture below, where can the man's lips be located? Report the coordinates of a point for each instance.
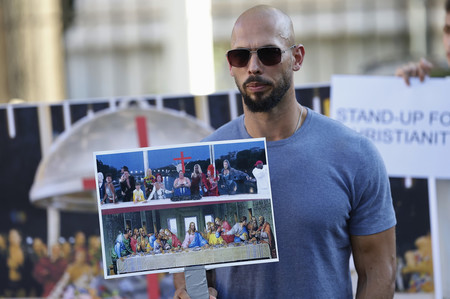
(256, 86)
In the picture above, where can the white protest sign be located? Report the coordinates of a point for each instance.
(410, 125)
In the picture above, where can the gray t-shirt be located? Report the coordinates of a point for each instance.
(328, 182)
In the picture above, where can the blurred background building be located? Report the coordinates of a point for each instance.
(57, 49)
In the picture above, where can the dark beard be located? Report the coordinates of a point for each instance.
(264, 104)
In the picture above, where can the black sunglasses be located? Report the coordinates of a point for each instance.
(447, 29)
(267, 55)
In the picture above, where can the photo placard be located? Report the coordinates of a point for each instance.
(162, 209)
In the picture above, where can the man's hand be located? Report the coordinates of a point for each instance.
(180, 286)
(182, 294)
(414, 69)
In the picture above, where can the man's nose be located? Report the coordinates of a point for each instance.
(254, 64)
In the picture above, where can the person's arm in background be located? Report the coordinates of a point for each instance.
(375, 262)
(414, 69)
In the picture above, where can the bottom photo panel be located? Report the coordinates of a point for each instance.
(162, 240)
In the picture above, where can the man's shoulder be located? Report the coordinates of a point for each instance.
(335, 132)
(230, 130)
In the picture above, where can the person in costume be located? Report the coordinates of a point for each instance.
(151, 240)
(142, 241)
(210, 184)
(127, 184)
(239, 230)
(149, 180)
(252, 228)
(193, 238)
(49, 270)
(261, 174)
(121, 248)
(214, 235)
(182, 186)
(172, 239)
(133, 240)
(138, 194)
(110, 192)
(228, 178)
(266, 235)
(159, 190)
(197, 182)
(222, 226)
(101, 184)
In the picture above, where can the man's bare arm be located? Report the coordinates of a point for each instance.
(375, 262)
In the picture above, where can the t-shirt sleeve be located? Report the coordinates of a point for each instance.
(372, 209)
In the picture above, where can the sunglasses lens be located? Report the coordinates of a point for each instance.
(238, 57)
(447, 29)
(269, 56)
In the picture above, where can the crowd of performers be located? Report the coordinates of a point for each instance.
(198, 185)
(217, 233)
(30, 269)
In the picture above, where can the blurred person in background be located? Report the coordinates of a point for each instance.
(423, 67)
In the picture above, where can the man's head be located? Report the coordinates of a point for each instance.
(259, 164)
(210, 170)
(123, 169)
(158, 177)
(446, 36)
(109, 178)
(262, 80)
(243, 220)
(261, 220)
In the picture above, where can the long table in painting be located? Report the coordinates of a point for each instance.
(149, 262)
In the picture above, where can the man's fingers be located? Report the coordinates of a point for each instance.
(212, 293)
(421, 73)
(425, 65)
(181, 294)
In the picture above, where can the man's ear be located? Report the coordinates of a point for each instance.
(299, 54)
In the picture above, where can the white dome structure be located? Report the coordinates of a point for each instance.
(65, 178)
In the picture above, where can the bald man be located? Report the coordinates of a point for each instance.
(329, 184)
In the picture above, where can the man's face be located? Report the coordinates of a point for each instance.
(261, 220)
(446, 37)
(262, 87)
(108, 179)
